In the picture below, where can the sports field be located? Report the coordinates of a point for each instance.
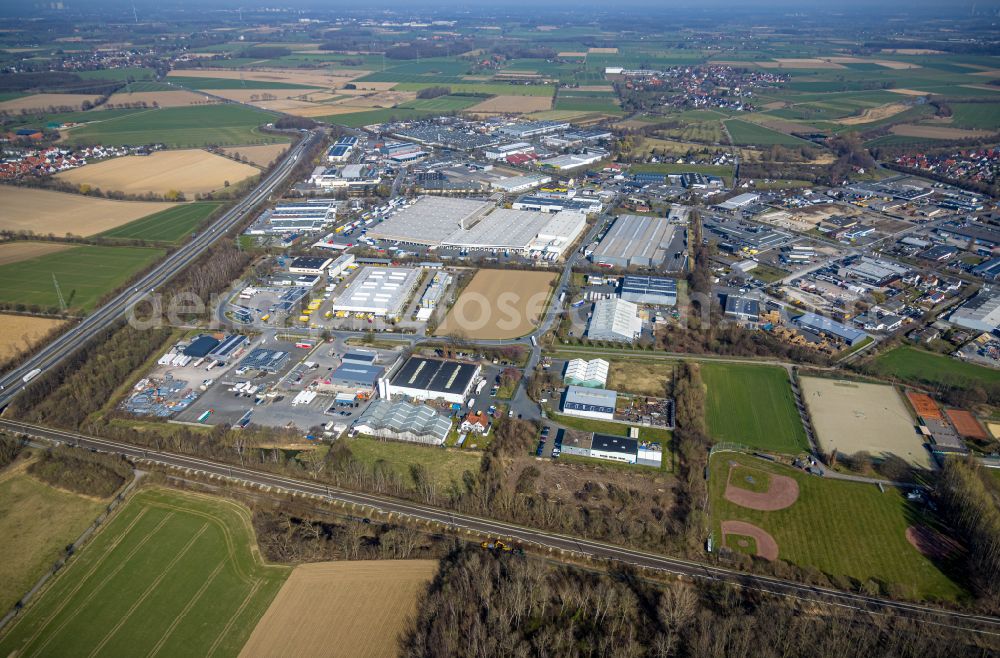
(499, 304)
(851, 417)
(43, 212)
(341, 608)
(191, 171)
(30, 547)
(85, 274)
(841, 528)
(19, 333)
(170, 225)
(172, 574)
(180, 127)
(915, 365)
(752, 405)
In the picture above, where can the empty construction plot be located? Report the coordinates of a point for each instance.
(172, 573)
(499, 304)
(874, 114)
(42, 212)
(191, 171)
(349, 609)
(851, 417)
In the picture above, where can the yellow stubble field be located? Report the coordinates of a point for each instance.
(43, 211)
(349, 609)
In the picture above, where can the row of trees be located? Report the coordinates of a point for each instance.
(484, 604)
(87, 473)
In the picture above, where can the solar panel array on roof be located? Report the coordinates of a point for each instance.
(228, 346)
(434, 375)
(264, 359)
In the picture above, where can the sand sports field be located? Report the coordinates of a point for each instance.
(936, 132)
(19, 333)
(43, 212)
(512, 104)
(347, 609)
(499, 304)
(191, 171)
(259, 154)
(179, 98)
(765, 546)
(42, 102)
(850, 417)
(871, 114)
(15, 252)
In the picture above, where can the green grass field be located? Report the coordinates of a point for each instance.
(746, 133)
(180, 127)
(915, 365)
(752, 405)
(443, 103)
(841, 528)
(171, 573)
(171, 225)
(443, 465)
(30, 547)
(232, 83)
(984, 116)
(85, 274)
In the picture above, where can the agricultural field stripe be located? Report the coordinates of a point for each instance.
(187, 608)
(114, 544)
(236, 615)
(114, 572)
(149, 590)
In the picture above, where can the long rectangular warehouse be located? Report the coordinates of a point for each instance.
(421, 378)
(635, 241)
(480, 225)
(382, 291)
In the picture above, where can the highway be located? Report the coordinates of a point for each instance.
(574, 547)
(112, 311)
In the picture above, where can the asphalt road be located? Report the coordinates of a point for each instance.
(12, 383)
(486, 527)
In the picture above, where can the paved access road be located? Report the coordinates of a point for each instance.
(527, 536)
(112, 311)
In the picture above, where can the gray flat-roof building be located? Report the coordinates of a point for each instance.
(382, 291)
(742, 309)
(635, 241)
(819, 324)
(431, 379)
(589, 402)
(649, 290)
(981, 313)
(615, 319)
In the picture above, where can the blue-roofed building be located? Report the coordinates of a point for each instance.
(988, 269)
(649, 290)
(201, 346)
(821, 325)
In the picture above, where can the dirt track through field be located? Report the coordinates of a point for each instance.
(191, 171)
(345, 609)
(767, 548)
(874, 114)
(782, 493)
(499, 304)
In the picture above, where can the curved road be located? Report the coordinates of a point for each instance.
(12, 383)
(539, 538)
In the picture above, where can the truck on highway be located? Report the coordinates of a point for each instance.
(31, 375)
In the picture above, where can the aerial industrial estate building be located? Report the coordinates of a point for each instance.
(421, 378)
(381, 291)
(481, 226)
(591, 374)
(403, 421)
(615, 319)
(981, 313)
(820, 325)
(649, 290)
(635, 241)
(589, 402)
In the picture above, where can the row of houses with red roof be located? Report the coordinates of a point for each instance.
(20, 163)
